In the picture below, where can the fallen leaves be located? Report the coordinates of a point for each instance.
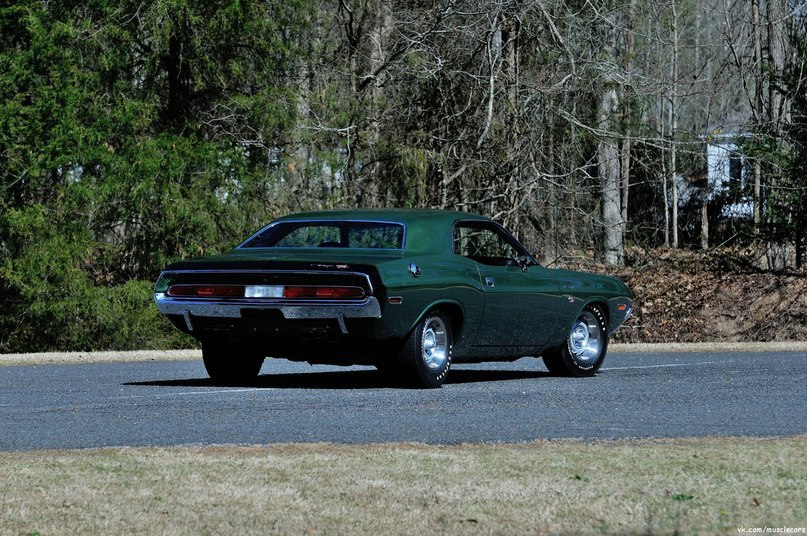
(714, 296)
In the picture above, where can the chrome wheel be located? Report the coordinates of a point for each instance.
(585, 338)
(434, 344)
(425, 357)
(584, 350)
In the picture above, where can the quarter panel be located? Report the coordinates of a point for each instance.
(444, 279)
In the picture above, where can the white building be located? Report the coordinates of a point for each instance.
(727, 173)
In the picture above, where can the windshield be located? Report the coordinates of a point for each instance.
(329, 234)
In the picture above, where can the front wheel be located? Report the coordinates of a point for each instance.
(231, 363)
(584, 350)
(425, 358)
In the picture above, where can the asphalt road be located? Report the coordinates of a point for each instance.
(173, 403)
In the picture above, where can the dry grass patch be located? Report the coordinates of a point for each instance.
(654, 486)
(110, 356)
(687, 347)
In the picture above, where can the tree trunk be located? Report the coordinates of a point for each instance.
(759, 77)
(775, 45)
(625, 179)
(674, 123)
(609, 169)
(801, 224)
(663, 178)
(704, 222)
(608, 166)
(630, 40)
(776, 13)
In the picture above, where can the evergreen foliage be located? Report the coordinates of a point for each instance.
(133, 134)
(115, 158)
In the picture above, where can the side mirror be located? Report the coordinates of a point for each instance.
(523, 262)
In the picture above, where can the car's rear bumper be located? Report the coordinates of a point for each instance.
(214, 308)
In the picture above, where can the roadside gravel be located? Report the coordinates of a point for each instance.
(67, 358)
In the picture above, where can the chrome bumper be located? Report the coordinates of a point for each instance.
(339, 311)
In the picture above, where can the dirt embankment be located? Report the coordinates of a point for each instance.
(714, 296)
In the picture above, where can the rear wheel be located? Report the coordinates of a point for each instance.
(584, 350)
(231, 363)
(425, 358)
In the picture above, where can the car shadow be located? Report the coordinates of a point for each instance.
(482, 375)
(361, 379)
(353, 379)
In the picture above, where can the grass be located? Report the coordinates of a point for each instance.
(709, 485)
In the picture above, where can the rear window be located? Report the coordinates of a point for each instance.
(329, 234)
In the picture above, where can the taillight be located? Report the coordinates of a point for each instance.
(207, 291)
(311, 292)
(266, 291)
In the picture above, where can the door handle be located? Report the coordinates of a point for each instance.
(489, 281)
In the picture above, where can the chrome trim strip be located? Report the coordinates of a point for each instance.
(297, 309)
(340, 317)
(188, 322)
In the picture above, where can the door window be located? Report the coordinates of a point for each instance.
(486, 244)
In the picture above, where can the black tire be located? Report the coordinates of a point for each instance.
(583, 351)
(231, 363)
(425, 358)
(387, 369)
(553, 362)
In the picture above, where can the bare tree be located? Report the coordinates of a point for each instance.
(608, 152)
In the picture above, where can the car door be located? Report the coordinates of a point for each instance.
(521, 297)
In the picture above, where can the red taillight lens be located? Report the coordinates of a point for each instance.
(347, 292)
(207, 291)
(323, 292)
(240, 291)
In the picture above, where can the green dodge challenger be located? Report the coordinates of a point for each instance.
(407, 291)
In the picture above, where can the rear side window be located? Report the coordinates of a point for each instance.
(329, 234)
